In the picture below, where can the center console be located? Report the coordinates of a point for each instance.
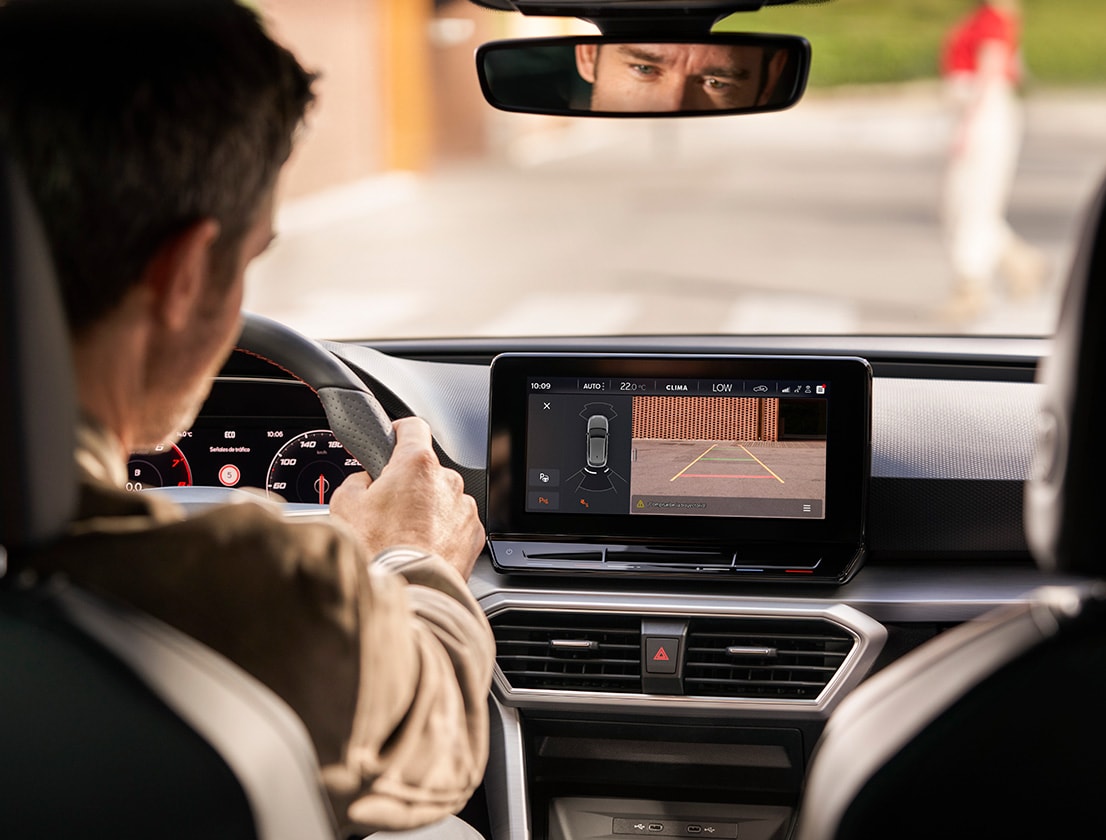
(665, 712)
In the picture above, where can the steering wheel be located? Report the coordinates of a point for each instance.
(356, 417)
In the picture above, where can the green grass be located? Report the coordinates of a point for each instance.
(881, 41)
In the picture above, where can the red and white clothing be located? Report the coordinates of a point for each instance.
(961, 49)
(981, 65)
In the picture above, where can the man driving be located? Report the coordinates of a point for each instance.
(678, 77)
(151, 136)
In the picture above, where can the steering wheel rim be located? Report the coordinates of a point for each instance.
(355, 415)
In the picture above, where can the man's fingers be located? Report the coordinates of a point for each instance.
(353, 485)
(412, 433)
(359, 480)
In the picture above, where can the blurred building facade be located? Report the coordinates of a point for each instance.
(397, 87)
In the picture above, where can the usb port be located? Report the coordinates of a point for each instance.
(656, 826)
(694, 829)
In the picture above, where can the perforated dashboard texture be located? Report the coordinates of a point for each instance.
(948, 464)
(924, 428)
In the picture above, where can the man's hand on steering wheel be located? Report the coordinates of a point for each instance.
(414, 502)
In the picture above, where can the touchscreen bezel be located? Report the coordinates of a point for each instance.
(848, 454)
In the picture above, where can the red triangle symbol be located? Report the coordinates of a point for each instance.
(661, 656)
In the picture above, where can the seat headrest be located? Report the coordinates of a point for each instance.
(1066, 493)
(38, 407)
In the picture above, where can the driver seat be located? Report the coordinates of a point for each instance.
(993, 729)
(112, 724)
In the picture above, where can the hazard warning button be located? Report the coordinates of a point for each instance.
(661, 654)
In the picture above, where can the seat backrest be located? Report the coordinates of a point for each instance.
(37, 415)
(1064, 499)
(86, 748)
(992, 729)
(111, 723)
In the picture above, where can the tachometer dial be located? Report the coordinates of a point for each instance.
(162, 466)
(308, 468)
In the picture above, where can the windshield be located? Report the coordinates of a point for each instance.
(928, 182)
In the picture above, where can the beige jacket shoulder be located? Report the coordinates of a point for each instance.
(388, 660)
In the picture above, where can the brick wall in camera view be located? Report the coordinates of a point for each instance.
(706, 418)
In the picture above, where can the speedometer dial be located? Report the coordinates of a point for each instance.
(308, 468)
(162, 466)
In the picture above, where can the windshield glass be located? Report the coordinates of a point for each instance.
(931, 181)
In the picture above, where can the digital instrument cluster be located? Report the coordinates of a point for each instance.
(283, 447)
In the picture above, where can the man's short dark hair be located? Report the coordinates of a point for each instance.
(133, 119)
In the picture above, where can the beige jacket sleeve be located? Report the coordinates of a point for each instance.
(387, 661)
(420, 733)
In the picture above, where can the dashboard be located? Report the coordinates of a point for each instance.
(649, 694)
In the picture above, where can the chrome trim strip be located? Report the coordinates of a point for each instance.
(573, 644)
(509, 808)
(262, 380)
(943, 593)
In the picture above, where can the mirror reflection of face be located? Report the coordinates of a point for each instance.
(678, 77)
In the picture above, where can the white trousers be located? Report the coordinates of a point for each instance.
(982, 162)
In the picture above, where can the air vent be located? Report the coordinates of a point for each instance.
(766, 659)
(569, 651)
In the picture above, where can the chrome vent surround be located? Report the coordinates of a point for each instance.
(754, 658)
(569, 651)
(763, 658)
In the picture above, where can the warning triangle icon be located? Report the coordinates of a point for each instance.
(660, 656)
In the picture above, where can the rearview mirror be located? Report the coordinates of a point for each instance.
(601, 76)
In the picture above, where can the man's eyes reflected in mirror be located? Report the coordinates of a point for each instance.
(678, 77)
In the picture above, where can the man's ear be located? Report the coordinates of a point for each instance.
(585, 61)
(178, 272)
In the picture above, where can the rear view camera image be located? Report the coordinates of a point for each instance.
(654, 454)
(728, 456)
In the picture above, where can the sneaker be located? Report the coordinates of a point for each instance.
(965, 304)
(1024, 269)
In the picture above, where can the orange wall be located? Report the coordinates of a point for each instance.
(398, 88)
(394, 93)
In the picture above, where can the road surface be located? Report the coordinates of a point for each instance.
(821, 219)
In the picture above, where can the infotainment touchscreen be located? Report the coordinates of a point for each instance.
(750, 465)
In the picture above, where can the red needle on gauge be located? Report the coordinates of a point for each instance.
(321, 486)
